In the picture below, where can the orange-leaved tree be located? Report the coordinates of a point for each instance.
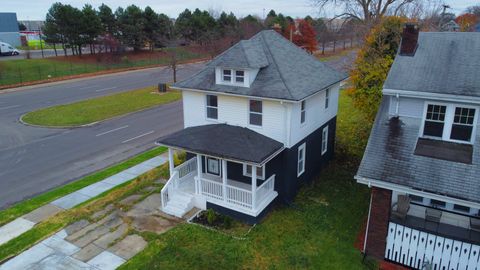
(302, 34)
(466, 22)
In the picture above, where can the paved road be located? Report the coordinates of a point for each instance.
(38, 54)
(34, 160)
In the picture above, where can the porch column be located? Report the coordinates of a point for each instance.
(171, 164)
(198, 189)
(224, 179)
(254, 187)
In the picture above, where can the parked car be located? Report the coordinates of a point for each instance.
(7, 49)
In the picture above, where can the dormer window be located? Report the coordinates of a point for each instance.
(449, 122)
(227, 75)
(239, 76)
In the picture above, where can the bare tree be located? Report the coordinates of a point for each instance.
(365, 10)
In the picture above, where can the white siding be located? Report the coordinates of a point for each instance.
(409, 107)
(235, 111)
(316, 114)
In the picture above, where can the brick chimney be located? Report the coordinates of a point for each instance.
(409, 39)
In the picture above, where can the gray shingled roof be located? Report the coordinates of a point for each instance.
(389, 158)
(286, 71)
(231, 142)
(445, 63)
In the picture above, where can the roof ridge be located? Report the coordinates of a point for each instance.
(276, 65)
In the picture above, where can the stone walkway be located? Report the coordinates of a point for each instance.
(26, 222)
(109, 240)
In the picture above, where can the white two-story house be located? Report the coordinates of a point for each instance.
(259, 121)
(422, 160)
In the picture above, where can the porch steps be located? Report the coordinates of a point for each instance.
(179, 204)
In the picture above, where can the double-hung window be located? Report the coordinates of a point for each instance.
(247, 171)
(324, 140)
(213, 166)
(256, 112)
(462, 126)
(212, 107)
(302, 112)
(435, 120)
(301, 160)
(449, 122)
(327, 98)
(239, 76)
(227, 75)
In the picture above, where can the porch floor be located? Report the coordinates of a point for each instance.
(441, 229)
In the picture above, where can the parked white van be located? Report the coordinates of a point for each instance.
(7, 49)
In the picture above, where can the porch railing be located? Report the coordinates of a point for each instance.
(234, 195)
(186, 169)
(265, 189)
(211, 189)
(167, 190)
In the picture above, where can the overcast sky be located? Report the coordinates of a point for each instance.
(36, 9)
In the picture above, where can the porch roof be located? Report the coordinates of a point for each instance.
(224, 141)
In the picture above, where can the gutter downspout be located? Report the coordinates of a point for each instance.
(398, 104)
(368, 223)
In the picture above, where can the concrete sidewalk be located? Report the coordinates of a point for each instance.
(22, 224)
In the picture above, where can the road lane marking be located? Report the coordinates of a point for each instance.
(9, 107)
(87, 87)
(105, 89)
(106, 132)
(139, 136)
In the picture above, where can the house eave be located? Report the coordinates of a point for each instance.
(430, 95)
(404, 189)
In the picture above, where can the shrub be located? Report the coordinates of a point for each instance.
(211, 216)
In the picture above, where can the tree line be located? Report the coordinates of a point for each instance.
(103, 29)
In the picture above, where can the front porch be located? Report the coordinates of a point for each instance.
(424, 231)
(194, 179)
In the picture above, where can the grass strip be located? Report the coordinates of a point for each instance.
(29, 205)
(100, 108)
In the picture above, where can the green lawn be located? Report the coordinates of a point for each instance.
(29, 205)
(29, 70)
(101, 108)
(317, 232)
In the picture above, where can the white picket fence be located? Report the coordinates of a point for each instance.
(421, 250)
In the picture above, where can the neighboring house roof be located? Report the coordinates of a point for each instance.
(444, 63)
(230, 142)
(8, 22)
(389, 157)
(286, 71)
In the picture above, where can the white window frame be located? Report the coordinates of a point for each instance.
(237, 76)
(448, 122)
(213, 107)
(207, 159)
(327, 98)
(302, 158)
(250, 112)
(223, 75)
(245, 173)
(303, 112)
(324, 140)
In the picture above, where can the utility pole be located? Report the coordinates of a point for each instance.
(444, 6)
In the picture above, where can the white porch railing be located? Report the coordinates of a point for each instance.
(180, 173)
(421, 250)
(265, 189)
(167, 190)
(234, 195)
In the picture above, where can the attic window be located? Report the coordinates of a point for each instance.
(239, 76)
(227, 75)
